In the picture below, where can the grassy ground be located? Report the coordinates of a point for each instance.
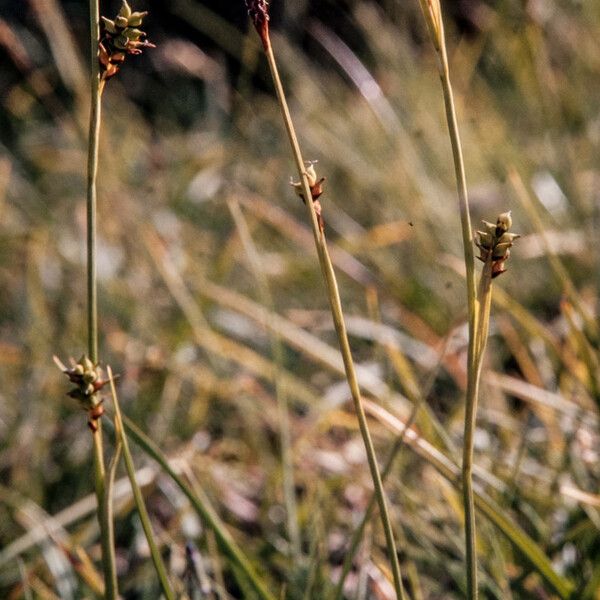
(206, 264)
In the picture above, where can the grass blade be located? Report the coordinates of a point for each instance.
(523, 542)
(137, 495)
(202, 506)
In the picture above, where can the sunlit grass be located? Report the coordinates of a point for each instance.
(186, 328)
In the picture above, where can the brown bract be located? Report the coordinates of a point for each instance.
(316, 189)
(258, 10)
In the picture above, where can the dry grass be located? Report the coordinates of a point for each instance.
(184, 323)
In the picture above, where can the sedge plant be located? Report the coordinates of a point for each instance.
(494, 251)
(109, 45)
(309, 187)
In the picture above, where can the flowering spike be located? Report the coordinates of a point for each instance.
(109, 25)
(316, 189)
(494, 243)
(135, 20)
(120, 36)
(88, 381)
(504, 221)
(258, 10)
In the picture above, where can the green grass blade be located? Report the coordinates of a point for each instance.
(137, 495)
(107, 515)
(523, 542)
(202, 506)
(527, 546)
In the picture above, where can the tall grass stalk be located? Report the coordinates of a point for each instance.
(433, 16)
(328, 272)
(418, 398)
(106, 526)
(107, 503)
(445, 465)
(121, 441)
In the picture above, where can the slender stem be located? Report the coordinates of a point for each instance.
(480, 340)
(461, 184)
(106, 533)
(107, 514)
(340, 326)
(106, 526)
(485, 303)
(203, 507)
(436, 28)
(93, 144)
(121, 438)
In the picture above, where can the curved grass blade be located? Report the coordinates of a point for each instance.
(446, 467)
(159, 565)
(202, 506)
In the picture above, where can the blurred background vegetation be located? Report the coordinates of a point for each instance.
(206, 267)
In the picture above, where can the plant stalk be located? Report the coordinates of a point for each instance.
(97, 87)
(338, 319)
(107, 509)
(106, 533)
(433, 16)
(479, 343)
(121, 439)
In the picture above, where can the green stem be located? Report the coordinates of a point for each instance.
(204, 509)
(106, 533)
(461, 184)
(479, 343)
(340, 326)
(93, 145)
(107, 514)
(106, 526)
(121, 438)
(436, 28)
(485, 303)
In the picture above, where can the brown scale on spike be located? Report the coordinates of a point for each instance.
(258, 10)
(495, 242)
(316, 189)
(88, 381)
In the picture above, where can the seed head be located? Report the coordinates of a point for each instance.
(316, 189)
(504, 221)
(120, 36)
(88, 382)
(494, 242)
(258, 10)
